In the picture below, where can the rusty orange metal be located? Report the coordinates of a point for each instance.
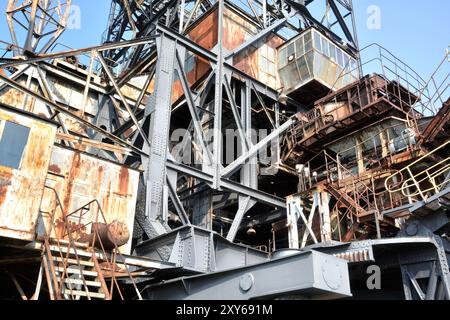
(78, 179)
(21, 189)
(237, 29)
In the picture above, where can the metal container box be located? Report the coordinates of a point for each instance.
(258, 60)
(311, 65)
(79, 179)
(26, 143)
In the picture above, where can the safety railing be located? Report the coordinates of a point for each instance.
(109, 257)
(438, 84)
(70, 247)
(353, 188)
(422, 178)
(382, 144)
(343, 105)
(424, 96)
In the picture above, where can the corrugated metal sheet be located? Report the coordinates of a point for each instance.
(80, 178)
(21, 189)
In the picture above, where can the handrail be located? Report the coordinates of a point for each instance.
(69, 231)
(425, 100)
(356, 183)
(432, 79)
(69, 247)
(396, 182)
(317, 116)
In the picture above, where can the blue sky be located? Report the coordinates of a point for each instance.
(416, 31)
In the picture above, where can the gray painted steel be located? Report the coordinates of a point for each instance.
(306, 275)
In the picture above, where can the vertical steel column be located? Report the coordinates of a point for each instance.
(249, 170)
(159, 128)
(217, 145)
(324, 209)
(292, 218)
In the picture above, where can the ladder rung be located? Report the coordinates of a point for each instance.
(77, 271)
(83, 293)
(65, 242)
(80, 281)
(74, 261)
(80, 252)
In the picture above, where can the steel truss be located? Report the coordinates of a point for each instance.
(145, 38)
(146, 41)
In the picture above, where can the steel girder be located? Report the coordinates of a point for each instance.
(135, 29)
(312, 275)
(44, 22)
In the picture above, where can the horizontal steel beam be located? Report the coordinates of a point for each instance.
(70, 53)
(312, 275)
(212, 58)
(229, 185)
(236, 164)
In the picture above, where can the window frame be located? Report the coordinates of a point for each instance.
(3, 123)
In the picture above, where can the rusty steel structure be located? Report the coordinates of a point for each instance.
(207, 148)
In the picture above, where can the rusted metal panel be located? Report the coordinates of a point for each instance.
(21, 189)
(63, 92)
(79, 179)
(236, 29)
(18, 99)
(336, 110)
(204, 33)
(258, 61)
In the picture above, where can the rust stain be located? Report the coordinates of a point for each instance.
(100, 172)
(21, 190)
(54, 169)
(106, 199)
(5, 182)
(87, 178)
(123, 180)
(73, 174)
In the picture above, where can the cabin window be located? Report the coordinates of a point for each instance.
(189, 64)
(340, 58)
(317, 41)
(13, 140)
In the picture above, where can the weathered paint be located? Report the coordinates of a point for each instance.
(237, 29)
(21, 190)
(17, 99)
(80, 178)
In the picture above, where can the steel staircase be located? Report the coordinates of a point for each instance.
(439, 127)
(348, 201)
(73, 272)
(77, 270)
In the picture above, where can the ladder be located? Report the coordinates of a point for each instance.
(73, 269)
(73, 272)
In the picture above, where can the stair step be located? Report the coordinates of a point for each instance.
(80, 282)
(72, 270)
(74, 261)
(80, 252)
(66, 243)
(97, 295)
